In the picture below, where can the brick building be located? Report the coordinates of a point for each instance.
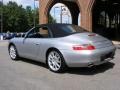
(100, 16)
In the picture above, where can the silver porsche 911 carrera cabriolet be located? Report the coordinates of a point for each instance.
(61, 45)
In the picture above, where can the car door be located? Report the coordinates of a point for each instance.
(30, 47)
(32, 42)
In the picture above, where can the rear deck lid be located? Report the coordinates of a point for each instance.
(95, 39)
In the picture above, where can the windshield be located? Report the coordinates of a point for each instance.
(65, 30)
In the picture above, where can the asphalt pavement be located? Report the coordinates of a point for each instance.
(29, 75)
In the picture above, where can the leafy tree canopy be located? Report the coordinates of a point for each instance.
(19, 19)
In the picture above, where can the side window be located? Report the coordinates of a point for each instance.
(38, 32)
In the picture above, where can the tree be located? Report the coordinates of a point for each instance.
(51, 19)
(19, 19)
(14, 18)
(29, 15)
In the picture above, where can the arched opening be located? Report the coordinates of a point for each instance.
(106, 18)
(72, 8)
(60, 13)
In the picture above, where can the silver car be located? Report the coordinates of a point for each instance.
(62, 45)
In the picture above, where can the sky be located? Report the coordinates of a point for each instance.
(23, 2)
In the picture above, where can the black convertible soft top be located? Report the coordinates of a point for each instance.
(61, 30)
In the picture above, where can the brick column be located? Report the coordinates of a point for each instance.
(86, 20)
(86, 13)
(43, 18)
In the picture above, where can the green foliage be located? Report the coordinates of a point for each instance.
(19, 19)
(14, 18)
(51, 19)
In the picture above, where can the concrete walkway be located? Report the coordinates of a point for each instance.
(4, 42)
(117, 44)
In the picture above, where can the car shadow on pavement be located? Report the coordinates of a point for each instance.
(91, 71)
(79, 71)
(34, 62)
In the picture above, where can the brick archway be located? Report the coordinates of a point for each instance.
(75, 6)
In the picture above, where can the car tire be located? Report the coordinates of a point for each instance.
(56, 62)
(13, 53)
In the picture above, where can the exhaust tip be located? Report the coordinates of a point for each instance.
(90, 65)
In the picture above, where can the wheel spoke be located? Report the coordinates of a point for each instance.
(50, 57)
(57, 64)
(58, 60)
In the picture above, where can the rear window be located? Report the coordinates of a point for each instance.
(65, 30)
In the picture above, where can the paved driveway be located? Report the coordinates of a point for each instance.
(29, 75)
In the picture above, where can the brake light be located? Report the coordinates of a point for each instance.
(84, 47)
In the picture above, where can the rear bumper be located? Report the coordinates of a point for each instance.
(88, 58)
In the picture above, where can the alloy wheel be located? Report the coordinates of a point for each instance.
(12, 52)
(54, 61)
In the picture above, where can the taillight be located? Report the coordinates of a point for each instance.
(84, 47)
